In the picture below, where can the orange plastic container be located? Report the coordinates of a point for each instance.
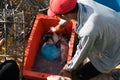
(41, 26)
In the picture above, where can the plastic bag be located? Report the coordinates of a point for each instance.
(50, 51)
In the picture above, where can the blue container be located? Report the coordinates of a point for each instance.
(114, 4)
(50, 52)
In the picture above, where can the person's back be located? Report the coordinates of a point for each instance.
(102, 25)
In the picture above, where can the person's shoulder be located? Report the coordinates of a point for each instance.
(85, 1)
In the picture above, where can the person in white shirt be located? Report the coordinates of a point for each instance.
(98, 32)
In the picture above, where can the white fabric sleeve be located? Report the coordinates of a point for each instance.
(83, 49)
(61, 22)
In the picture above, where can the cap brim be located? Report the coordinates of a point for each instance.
(50, 13)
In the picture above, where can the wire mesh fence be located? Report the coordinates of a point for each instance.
(13, 30)
(16, 21)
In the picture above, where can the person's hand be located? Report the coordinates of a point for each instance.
(65, 73)
(56, 77)
(1, 41)
(57, 27)
(54, 29)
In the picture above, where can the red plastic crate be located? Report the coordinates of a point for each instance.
(41, 26)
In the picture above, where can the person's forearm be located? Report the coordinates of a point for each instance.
(85, 44)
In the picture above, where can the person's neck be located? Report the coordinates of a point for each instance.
(75, 16)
